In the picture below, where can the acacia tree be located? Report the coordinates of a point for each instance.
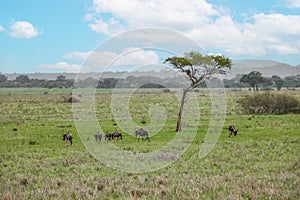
(22, 79)
(254, 78)
(198, 68)
(3, 78)
(278, 81)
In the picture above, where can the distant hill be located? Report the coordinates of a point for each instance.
(254, 63)
(266, 67)
(95, 75)
(53, 76)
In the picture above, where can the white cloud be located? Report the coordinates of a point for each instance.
(265, 34)
(150, 37)
(95, 60)
(129, 14)
(111, 27)
(135, 57)
(284, 49)
(277, 24)
(61, 66)
(2, 28)
(209, 25)
(105, 61)
(23, 29)
(77, 55)
(293, 3)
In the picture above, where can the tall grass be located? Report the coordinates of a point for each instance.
(261, 162)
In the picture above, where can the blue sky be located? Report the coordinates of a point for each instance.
(58, 35)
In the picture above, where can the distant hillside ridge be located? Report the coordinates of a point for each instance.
(268, 68)
(95, 75)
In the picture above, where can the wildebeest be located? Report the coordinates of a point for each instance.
(232, 130)
(98, 136)
(68, 137)
(141, 133)
(117, 135)
(108, 136)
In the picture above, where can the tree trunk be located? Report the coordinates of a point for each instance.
(178, 128)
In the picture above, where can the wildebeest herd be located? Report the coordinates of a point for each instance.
(109, 136)
(139, 133)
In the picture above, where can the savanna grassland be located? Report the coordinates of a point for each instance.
(261, 162)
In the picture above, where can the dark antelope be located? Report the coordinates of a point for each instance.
(108, 136)
(68, 137)
(141, 133)
(98, 137)
(232, 130)
(117, 135)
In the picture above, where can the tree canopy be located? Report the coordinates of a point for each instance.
(254, 78)
(198, 68)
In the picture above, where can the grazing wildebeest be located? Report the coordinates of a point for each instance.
(98, 136)
(232, 130)
(108, 136)
(68, 137)
(141, 133)
(117, 135)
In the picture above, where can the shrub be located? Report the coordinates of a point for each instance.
(70, 100)
(166, 90)
(269, 103)
(32, 142)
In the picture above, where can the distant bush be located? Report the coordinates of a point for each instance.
(166, 90)
(32, 142)
(269, 103)
(70, 100)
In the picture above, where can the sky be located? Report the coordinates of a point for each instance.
(90, 35)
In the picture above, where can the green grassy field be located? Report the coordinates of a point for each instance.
(261, 162)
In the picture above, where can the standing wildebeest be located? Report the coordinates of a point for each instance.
(232, 130)
(141, 133)
(117, 135)
(68, 137)
(98, 136)
(108, 136)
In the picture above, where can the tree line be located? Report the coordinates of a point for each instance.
(253, 80)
